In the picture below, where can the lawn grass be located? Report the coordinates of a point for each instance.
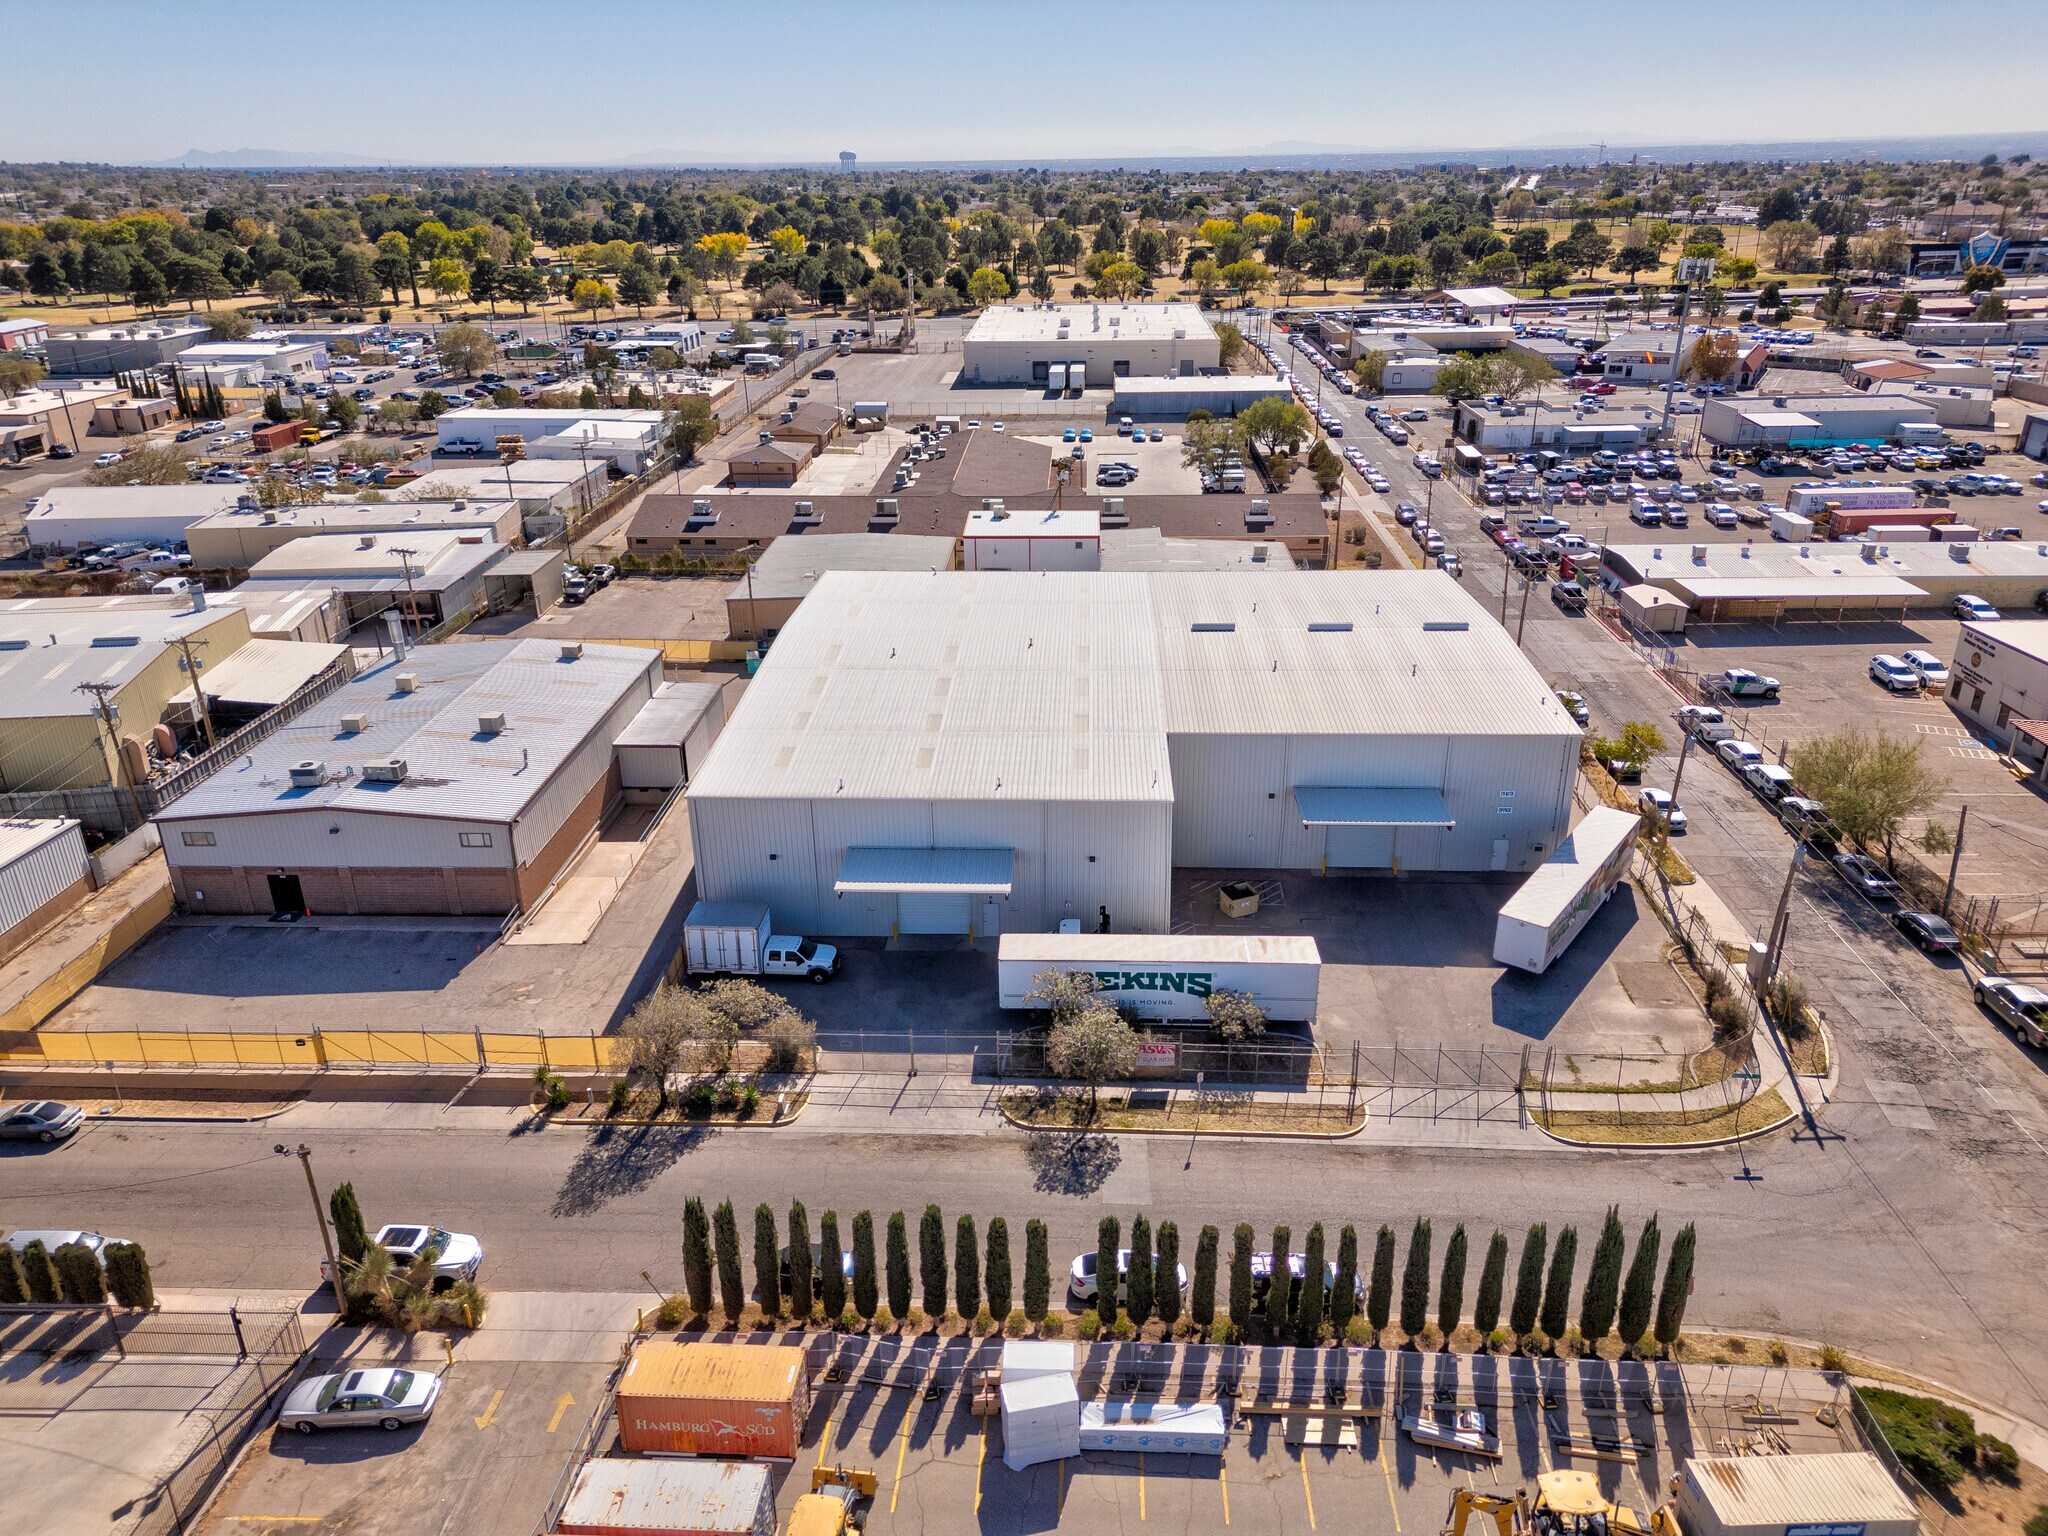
(1232, 1115)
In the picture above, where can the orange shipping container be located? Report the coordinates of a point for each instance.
(707, 1399)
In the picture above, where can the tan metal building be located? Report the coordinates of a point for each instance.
(236, 537)
(1840, 1494)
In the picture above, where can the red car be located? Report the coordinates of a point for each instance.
(1602, 388)
(1506, 538)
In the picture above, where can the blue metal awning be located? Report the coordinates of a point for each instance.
(1370, 805)
(935, 871)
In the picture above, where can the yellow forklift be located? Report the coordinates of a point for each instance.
(836, 1505)
(1567, 1503)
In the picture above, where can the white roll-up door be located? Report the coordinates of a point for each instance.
(925, 913)
(1360, 848)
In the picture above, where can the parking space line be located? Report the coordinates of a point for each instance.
(825, 1440)
(902, 1446)
(1387, 1472)
(980, 1460)
(1141, 1489)
(1223, 1482)
(1305, 1490)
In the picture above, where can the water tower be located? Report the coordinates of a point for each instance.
(847, 159)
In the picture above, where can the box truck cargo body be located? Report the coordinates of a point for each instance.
(1806, 500)
(1056, 378)
(1169, 976)
(1542, 918)
(734, 938)
(706, 1399)
(618, 1496)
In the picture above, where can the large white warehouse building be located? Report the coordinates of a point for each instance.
(1022, 343)
(953, 752)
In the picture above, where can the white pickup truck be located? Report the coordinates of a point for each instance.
(736, 938)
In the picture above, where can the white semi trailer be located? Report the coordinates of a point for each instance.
(1542, 918)
(1169, 976)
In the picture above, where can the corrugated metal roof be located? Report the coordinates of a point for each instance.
(1339, 805)
(45, 654)
(2024, 558)
(1819, 588)
(1558, 878)
(551, 706)
(1823, 1489)
(433, 551)
(1160, 948)
(616, 1493)
(739, 1373)
(22, 835)
(1147, 549)
(790, 567)
(667, 719)
(264, 672)
(953, 871)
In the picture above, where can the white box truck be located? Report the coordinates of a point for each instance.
(735, 938)
(1542, 918)
(1170, 976)
(1791, 527)
(1056, 378)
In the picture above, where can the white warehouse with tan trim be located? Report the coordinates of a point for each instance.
(986, 752)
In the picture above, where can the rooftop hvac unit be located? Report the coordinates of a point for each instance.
(765, 437)
(701, 507)
(1113, 514)
(887, 509)
(807, 512)
(366, 541)
(991, 503)
(355, 725)
(572, 650)
(1258, 514)
(310, 774)
(246, 503)
(385, 770)
(490, 725)
(1959, 552)
(270, 517)
(408, 682)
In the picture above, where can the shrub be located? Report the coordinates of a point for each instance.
(1379, 1296)
(1202, 1298)
(1779, 1354)
(1573, 1342)
(967, 1267)
(931, 1259)
(832, 1275)
(1091, 1327)
(1935, 1441)
(697, 1256)
(897, 1264)
(351, 1235)
(749, 1102)
(43, 1284)
(1832, 1359)
(1016, 1325)
(1037, 1272)
(2037, 1522)
(851, 1321)
(128, 1275)
(618, 1096)
(700, 1100)
(997, 1279)
(1051, 1327)
(885, 1320)
(1415, 1280)
(1535, 1342)
(13, 1283)
(1359, 1332)
(1729, 1014)
(1996, 1458)
(865, 1290)
(800, 1266)
(768, 1261)
(915, 1318)
(79, 1275)
(672, 1311)
(984, 1322)
(1499, 1338)
(1557, 1294)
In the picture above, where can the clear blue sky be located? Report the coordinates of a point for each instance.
(496, 81)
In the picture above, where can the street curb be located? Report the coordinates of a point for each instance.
(677, 1125)
(191, 1119)
(1358, 1129)
(1666, 1146)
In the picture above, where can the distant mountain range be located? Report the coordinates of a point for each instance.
(1551, 149)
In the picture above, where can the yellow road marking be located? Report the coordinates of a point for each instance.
(490, 1413)
(562, 1405)
(1387, 1472)
(1141, 1485)
(280, 1519)
(980, 1460)
(902, 1445)
(1304, 1489)
(825, 1440)
(1223, 1482)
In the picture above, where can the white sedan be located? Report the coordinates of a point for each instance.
(389, 1399)
(1659, 803)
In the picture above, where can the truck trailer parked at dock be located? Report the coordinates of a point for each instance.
(1170, 976)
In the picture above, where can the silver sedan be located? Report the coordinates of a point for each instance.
(40, 1120)
(389, 1399)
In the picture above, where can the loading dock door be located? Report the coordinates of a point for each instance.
(1359, 848)
(286, 894)
(926, 912)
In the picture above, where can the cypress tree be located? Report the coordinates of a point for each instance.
(1002, 1289)
(1677, 1286)
(351, 1236)
(1639, 1294)
(43, 1284)
(13, 1283)
(967, 1268)
(1308, 1307)
(128, 1275)
(866, 1293)
(898, 1265)
(1202, 1299)
(1280, 1284)
(1603, 1279)
(1415, 1281)
(697, 1256)
(1379, 1296)
(1166, 1289)
(1492, 1280)
(1108, 1233)
(832, 1273)
(931, 1261)
(1557, 1292)
(732, 1285)
(1529, 1281)
(1037, 1272)
(1344, 1295)
(1138, 1285)
(801, 1262)
(1450, 1294)
(1241, 1275)
(767, 1261)
(79, 1275)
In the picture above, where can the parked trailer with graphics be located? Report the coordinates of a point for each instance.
(1169, 976)
(1542, 918)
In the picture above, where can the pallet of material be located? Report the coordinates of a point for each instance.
(1601, 1447)
(1331, 1431)
(1295, 1410)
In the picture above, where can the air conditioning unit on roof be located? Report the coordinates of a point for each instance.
(310, 774)
(384, 770)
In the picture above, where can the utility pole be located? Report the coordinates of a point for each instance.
(411, 597)
(184, 643)
(1780, 920)
(1678, 778)
(1507, 571)
(1955, 859)
(304, 1154)
(1690, 268)
(104, 708)
(1523, 617)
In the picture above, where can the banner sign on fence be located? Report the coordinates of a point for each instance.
(1157, 1055)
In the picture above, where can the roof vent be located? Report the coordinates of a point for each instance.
(490, 725)
(572, 650)
(1330, 627)
(310, 774)
(355, 725)
(469, 538)
(366, 541)
(1445, 625)
(1218, 627)
(807, 512)
(887, 510)
(270, 517)
(103, 642)
(384, 770)
(1699, 554)
(408, 682)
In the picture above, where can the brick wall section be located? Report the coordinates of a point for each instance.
(395, 892)
(535, 875)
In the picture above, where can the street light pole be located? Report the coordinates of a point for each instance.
(304, 1154)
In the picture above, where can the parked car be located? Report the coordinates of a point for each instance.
(1691, 717)
(388, 1399)
(1930, 668)
(1740, 683)
(1809, 821)
(1973, 609)
(1737, 753)
(1575, 706)
(1081, 1274)
(54, 1238)
(457, 1256)
(2022, 1008)
(1891, 673)
(1929, 931)
(40, 1120)
(1864, 872)
(1658, 802)
(1770, 782)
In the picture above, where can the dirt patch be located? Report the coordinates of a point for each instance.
(1676, 1127)
(1653, 984)
(1224, 1115)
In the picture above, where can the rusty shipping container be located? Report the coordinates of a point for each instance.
(703, 1399)
(618, 1497)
